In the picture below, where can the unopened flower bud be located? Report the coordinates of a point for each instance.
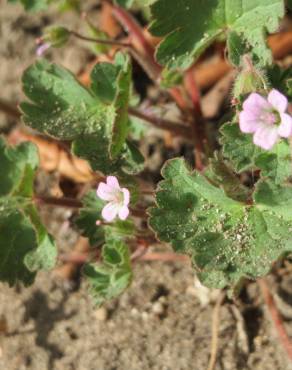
(249, 80)
(56, 36)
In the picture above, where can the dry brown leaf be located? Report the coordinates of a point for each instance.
(55, 157)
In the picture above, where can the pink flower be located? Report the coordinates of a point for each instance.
(42, 48)
(118, 199)
(266, 118)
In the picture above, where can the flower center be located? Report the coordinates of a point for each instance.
(269, 117)
(119, 196)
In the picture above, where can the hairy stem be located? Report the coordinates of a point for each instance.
(143, 50)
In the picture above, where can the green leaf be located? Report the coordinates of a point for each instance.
(220, 174)
(17, 239)
(104, 77)
(275, 198)
(44, 255)
(170, 78)
(88, 215)
(238, 147)
(138, 3)
(280, 79)
(190, 26)
(71, 112)
(33, 5)
(124, 3)
(237, 46)
(119, 231)
(226, 240)
(110, 278)
(276, 164)
(25, 245)
(17, 167)
(121, 103)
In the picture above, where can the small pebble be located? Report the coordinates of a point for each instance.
(145, 316)
(158, 308)
(101, 314)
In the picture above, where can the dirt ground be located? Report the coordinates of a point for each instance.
(160, 323)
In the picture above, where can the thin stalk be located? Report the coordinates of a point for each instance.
(77, 204)
(58, 202)
(100, 41)
(197, 121)
(175, 127)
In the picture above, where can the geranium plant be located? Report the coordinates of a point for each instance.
(229, 209)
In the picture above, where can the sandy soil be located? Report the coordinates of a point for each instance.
(159, 323)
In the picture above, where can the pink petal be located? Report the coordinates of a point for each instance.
(278, 100)
(110, 211)
(105, 192)
(42, 49)
(123, 212)
(248, 122)
(126, 196)
(113, 182)
(255, 104)
(266, 137)
(285, 128)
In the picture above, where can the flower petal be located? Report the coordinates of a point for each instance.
(105, 192)
(278, 100)
(248, 122)
(113, 182)
(285, 128)
(126, 196)
(266, 137)
(123, 212)
(256, 104)
(110, 211)
(42, 49)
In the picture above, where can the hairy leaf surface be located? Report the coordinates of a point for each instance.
(190, 26)
(239, 148)
(62, 108)
(227, 240)
(25, 245)
(110, 278)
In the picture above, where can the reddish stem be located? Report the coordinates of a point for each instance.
(197, 122)
(276, 317)
(139, 41)
(180, 100)
(75, 203)
(194, 92)
(176, 127)
(59, 202)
